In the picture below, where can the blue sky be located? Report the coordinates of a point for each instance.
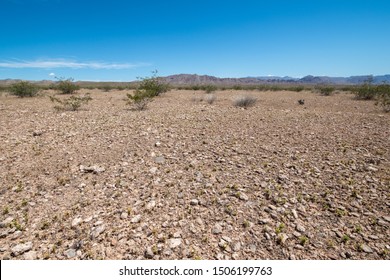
(121, 40)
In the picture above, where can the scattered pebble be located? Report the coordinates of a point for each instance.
(281, 238)
(365, 248)
(31, 255)
(217, 229)
(149, 253)
(70, 253)
(76, 222)
(136, 219)
(194, 202)
(124, 215)
(300, 228)
(159, 160)
(21, 248)
(93, 169)
(174, 242)
(150, 205)
(97, 231)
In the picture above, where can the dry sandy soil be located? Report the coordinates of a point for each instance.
(188, 180)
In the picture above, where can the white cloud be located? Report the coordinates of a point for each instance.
(62, 63)
(52, 74)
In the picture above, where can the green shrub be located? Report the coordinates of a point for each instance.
(297, 88)
(210, 88)
(106, 88)
(368, 91)
(152, 86)
(72, 103)
(147, 89)
(139, 99)
(195, 87)
(325, 90)
(66, 86)
(245, 101)
(3, 89)
(24, 89)
(383, 97)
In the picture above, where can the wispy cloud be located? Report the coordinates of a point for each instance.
(62, 63)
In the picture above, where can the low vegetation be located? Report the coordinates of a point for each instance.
(72, 103)
(210, 98)
(205, 178)
(369, 91)
(210, 88)
(245, 101)
(66, 86)
(24, 89)
(325, 90)
(147, 89)
(383, 97)
(365, 92)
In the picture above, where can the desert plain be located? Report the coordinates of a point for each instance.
(185, 179)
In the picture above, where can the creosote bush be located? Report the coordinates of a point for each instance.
(152, 86)
(148, 88)
(369, 91)
(245, 101)
(383, 97)
(365, 92)
(325, 90)
(139, 99)
(210, 88)
(24, 89)
(106, 88)
(66, 86)
(72, 103)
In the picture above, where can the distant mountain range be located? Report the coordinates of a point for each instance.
(194, 79)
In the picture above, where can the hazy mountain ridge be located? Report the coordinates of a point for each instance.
(183, 79)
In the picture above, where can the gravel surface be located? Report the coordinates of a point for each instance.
(185, 179)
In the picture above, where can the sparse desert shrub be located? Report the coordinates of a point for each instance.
(297, 88)
(210, 88)
(139, 99)
(72, 103)
(66, 86)
(24, 89)
(301, 101)
(195, 87)
(210, 98)
(325, 90)
(106, 88)
(3, 89)
(383, 97)
(346, 88)
(244, 101)
(366, 91)
(152, 86)
(149, 88)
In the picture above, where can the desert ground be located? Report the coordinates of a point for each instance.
(185, 179)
